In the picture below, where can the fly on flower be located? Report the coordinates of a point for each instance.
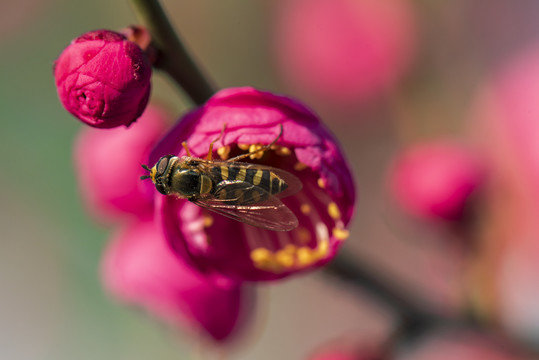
(249, 193)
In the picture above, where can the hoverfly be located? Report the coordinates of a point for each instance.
(249, 193)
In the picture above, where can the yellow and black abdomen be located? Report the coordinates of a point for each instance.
(262, 178)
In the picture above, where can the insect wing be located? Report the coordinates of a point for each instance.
(269, 213)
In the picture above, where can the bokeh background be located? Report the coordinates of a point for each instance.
(433, 57)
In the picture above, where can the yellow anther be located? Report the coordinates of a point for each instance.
(305, 256)
(208, 220)
(244, 147)
(305, 209)
(283, 151)
(285, 259)
(304, 235)
(260, 255)
(333, 211)
(291, 249)
(340, 234)
(257, 155)
(321, 183)
(322, 249)
(223, 152)
(300, 166)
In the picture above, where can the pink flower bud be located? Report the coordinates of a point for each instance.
(103, 79)
(436, 180)
(108, 166)
(224, 247)
(344, 51)
(139, 268)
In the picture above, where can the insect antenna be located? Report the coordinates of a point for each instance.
(262, 149)
(144, 177)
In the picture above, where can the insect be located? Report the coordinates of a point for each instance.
(246, 192)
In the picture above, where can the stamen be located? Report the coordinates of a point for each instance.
(208, 220)
(262, 258)
(223, 152)
(284, 258)
(244, 147)
(341, 234)
(305, 209)
(304, 235)
(333, 211)
(304, 256)
(283, 151)
(257, 155)
(300, 166)
(321, 183)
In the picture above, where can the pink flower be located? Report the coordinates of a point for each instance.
(103, 79)
(344, 51)
(217, 245)
(108, 167)
(436, 180)
(505, 121)
(139, 268)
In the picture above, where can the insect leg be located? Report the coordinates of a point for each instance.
(184, 144)
(210, 151)
(265, 148)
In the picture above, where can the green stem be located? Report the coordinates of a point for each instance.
(173, 58)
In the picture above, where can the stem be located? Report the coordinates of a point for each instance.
(173, 58)
(413, 318)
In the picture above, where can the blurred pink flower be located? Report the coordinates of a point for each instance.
(108, 167)
(461, 345)
(220, 246)
(103, 79)
(139, 268)
(344, 51)
(436, 180)
(505, 123)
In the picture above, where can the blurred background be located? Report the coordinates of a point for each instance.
(384, 75)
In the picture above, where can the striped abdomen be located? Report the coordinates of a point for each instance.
(265, 179)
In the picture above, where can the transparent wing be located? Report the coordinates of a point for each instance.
(249, 204)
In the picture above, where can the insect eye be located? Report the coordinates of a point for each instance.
(161, 188)
(162, 165)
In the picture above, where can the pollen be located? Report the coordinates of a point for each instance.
(257, 155)
(223, 152)
(340, 234)
(321, 183)
(305, 209)
(283, 151)
(208, 220)
(300, 166)
(322, 249)
(333, 211)
(244, 147)
(284, 258)
(305, 256)
(304, 235)
(262, 258)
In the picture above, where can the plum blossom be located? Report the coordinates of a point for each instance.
(232, 250)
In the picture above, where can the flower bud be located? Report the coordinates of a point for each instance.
(103, 79)
(435, 180)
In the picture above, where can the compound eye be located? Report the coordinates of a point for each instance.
(161, 188)
(162, 165)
